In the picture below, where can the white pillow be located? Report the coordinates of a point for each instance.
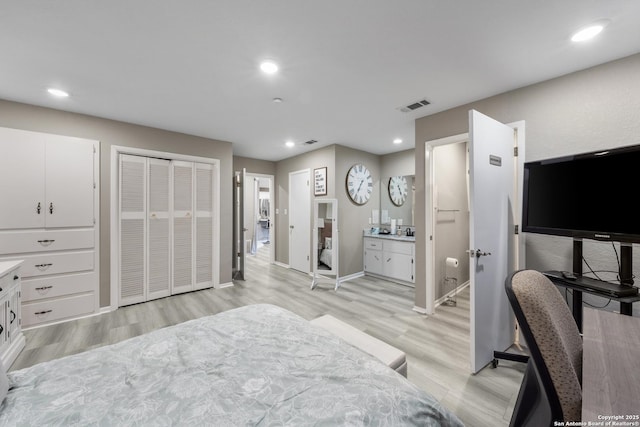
(4, 382)
(327, 242)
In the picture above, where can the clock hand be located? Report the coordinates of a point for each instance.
(360, 186)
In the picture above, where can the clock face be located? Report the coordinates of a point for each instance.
(359, 184)
(398, 190)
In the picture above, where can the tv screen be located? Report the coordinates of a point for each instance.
(591, 195)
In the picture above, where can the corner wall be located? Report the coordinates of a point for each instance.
(111, 132)
(584, 111)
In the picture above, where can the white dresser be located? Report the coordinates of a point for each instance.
(48, 218)
(391, 257)
(11, 337)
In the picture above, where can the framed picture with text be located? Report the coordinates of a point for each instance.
(320, 182)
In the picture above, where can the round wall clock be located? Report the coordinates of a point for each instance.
(398, 190)
(359, 184)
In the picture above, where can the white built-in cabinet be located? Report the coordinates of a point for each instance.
(166, 227)
(390, 258)
(48, 218)
(12, 339)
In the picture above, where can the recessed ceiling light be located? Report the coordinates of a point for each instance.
(589, 32)
(277, 100)
(290, 144)
(397, 141)
(58, 92)
(269, 67)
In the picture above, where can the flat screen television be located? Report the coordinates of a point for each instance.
(590, 195)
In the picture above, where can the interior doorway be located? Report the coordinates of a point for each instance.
(258, 217)
(490, 248)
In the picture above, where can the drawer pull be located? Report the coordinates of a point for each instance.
(46, 242)
(388, 259)
(16, 277)
(0, 289)
(13, 317)
(43, 289)
(43, 267)
(1, 329)
(40, 313)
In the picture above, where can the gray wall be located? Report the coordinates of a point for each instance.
(352, 218)
(585, 111)
(322, 157)
(109, 132)
(264, 167)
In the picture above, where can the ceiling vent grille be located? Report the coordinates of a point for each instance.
(414, 106)
(311, 141)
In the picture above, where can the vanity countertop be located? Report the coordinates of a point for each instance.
(402, 237)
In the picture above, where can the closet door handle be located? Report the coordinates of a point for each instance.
(51, 208)
(38, 208)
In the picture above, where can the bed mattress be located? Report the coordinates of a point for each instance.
(255, 365)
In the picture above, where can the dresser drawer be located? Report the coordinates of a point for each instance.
(57, 309)
(374, 244)
(14, 242)
(56, 263)
(398, 247)
(57, 286)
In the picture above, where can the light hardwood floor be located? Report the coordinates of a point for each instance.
(437, 347)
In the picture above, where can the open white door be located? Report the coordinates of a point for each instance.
(492, 213)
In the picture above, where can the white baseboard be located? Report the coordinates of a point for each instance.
(351, 276)
(280, 264)
(224, 285)
(451, 294)
(419, 310)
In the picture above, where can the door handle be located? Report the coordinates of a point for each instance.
(51, 208)
(477, 253)
(38, 208)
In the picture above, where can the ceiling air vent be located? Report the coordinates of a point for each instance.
(311, 141)
(414, 106)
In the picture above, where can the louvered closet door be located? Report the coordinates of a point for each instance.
(182, 226)
(132, 229)
(203, 226)
(158, 230)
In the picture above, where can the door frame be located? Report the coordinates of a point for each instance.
(519, 128)
(116, 150)
(272, 222)
(308, 174)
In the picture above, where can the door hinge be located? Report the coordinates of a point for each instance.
(94, 149)
(515, 151)
(411, 260)
(516, 229)
(307, 257)
(94, 185)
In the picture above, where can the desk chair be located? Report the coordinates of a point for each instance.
(551, 389)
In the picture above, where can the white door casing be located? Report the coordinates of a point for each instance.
(299, 220)
(493, 213)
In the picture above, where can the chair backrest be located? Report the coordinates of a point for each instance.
(553, 339)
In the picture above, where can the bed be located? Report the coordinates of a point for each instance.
(254, 365)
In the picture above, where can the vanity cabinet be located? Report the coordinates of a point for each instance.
(390, 258)
(12, 339)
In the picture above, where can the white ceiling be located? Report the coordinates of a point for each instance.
(346, 66)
